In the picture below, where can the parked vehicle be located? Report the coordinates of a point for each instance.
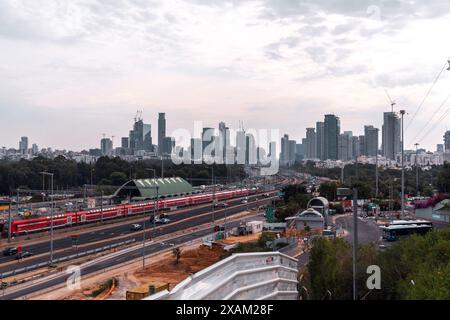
(162, 221)
(221, 205)
(219, 228)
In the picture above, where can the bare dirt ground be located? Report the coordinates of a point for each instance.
(161, 269)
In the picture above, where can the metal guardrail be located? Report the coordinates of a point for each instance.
(65, 258)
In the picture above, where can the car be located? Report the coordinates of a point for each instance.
(244, 201)
(135, 227)
(221, 205)
(10, 252)
(162, 221)
(24, 254)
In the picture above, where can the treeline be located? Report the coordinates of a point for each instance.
(415, 268)
(69, 174)
(363, 177)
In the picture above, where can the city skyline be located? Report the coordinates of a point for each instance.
(73, 67)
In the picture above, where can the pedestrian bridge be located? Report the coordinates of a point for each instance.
(249, 276)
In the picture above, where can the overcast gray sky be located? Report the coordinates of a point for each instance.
(71, 70)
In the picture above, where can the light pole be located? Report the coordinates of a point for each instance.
(154, 225)
(51, 216)
(417, 172)
(214, 196)
(349, 192)
(402, 112)
(376, 174)
(9, 216)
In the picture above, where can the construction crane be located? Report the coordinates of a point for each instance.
(392, 102)
(448, 65)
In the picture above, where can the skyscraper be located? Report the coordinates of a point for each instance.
(161, 132)
(447, 141)
(147, 142)
(23, 145)
(320, 143)
(391, 135)
(371, 141)
(331, 136)
(106, 146)
(345, 146)
(284, 156)
(125, 143)
(311, 143)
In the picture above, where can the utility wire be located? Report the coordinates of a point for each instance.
(428, 93)
(431, 119)
(446, 113)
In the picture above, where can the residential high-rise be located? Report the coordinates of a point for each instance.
(284, 156)
(331, 136)
(447, 141)
(300, 151)
(147, 138)
(250, 150)
(320, 142)
(371, 141)
(292, 146)
(241, 142)
(391, 135)
(361, 145)
(23, 145)
(106, 146)
(355, 147)
(345, 146)
(161, 132)
(125, 143)
(311, 143)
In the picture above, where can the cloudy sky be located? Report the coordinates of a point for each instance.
(71, 70)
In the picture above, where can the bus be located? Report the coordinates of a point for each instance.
(399, 231)
(411, 222)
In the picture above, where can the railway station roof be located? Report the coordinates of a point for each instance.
(147, 188)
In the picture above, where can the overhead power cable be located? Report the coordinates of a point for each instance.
(428, 93)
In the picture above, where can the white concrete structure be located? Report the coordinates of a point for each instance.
(252, 276)
(308, 218)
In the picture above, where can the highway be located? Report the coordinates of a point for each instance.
(197, 217)
(113, 260)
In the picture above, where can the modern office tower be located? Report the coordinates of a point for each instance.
(331, 136)
(284, 156)
(168, 145)
(34, 149)
(125, 143)
(371, 141)
(311, 143)
(106, 146)
(440, 148)
(291, 145)
(320, 142)
(300, 151)
(447, 141)
(147, 142)
(355, 147)
(161, 132)
(23, 145)
(241, 142)
(391, 135)
(345, 146)
(362, 145)
(250, 150)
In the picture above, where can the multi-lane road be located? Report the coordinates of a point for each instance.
(89, 240)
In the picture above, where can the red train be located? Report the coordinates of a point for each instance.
(25, 226)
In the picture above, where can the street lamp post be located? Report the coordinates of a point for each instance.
(402, 112)
(349, 192)
(417, 171)
(144, 225)
(51, 215)
(9, 217)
